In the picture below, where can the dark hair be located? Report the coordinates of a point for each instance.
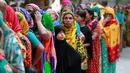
(82, 14)
(87, 3)
(69, 5)
(58, 29)
(90, 11)
(116, 6)
(105, 3)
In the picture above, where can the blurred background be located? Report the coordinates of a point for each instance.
(44, 4)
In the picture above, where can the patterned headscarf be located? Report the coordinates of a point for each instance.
(23, 23)
(27, 16)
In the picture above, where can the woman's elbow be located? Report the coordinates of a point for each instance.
(46, 36)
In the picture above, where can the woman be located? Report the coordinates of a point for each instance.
(11, 48)
(46, 19)
(111, 36)
(120, 18)
(69, 7)
(69, 24)
(45, 28)
(127, 31)
(33, 44)
(28, 61)
(94, 63)
(81, 7)
(80, 18)
(69, 60)
(27, 16)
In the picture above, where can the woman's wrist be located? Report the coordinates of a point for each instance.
(39, 22)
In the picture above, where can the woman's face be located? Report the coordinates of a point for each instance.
(67, 8)
(68, 20)
(78, 8)
(88, 5)
(54, 17)
(116, 8)
(121, 9)
(78, 18)
(29, 9)
(60, 36)
(88, 17)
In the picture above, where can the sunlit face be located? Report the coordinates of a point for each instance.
(78, 8)
(78, 18)
(68, 20)
(116, 8)
(60, 36)
(108, 15)
(54, 16)
(67, 8)
(29, 9)
(88, 16)
(88, 5)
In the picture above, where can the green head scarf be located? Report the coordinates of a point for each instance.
(97, 11)
(47, 22)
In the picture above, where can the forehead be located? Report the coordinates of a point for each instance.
(68, 15)
(67, 8)
(29, 8)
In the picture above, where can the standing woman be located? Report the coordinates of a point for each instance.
(94, 63)
(111, 34)
(80, 18)
(69, 24)
(69, 60)
(44, 28)
(128, 26)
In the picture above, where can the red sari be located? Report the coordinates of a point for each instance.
(94, 63)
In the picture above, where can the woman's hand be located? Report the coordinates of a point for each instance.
(107, 19)
(38, 16)
(82, 37)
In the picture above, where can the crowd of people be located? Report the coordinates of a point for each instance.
(86, 38)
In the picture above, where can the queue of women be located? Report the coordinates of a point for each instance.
(82, 39)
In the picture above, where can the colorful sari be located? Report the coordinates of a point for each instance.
(23, 23)
(25, 41)
(47, 63)
(94, 63)
(11, 47)
(110, 43)
(4, 65)
(27, 16)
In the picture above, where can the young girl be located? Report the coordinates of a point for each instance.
(80, 18)
(68, 59)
